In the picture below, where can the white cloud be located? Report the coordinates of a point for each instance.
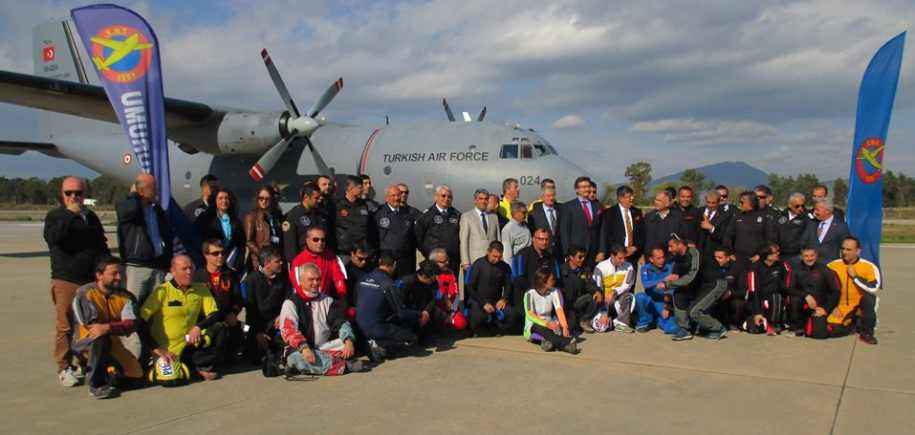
(569, 121)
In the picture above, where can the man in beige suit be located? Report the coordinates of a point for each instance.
(478, 229)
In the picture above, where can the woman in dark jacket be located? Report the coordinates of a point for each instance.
(262, 225)
(220, 221)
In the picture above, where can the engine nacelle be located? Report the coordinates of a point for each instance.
(249, 133)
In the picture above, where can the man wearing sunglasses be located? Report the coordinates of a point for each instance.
(76, 241)
(333, 280)
(789, 228)
(440, 227)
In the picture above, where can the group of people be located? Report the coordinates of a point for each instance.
(338, 277)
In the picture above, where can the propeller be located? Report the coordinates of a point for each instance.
(448, 112)
(293, 125)
(465, 115)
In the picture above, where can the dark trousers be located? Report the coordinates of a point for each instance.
(682, 299)
(480, 319)
(702, 306)
(547, 334)
(864, 322)
(798, 312)
(207, 358)
(582, 309)
(732, 309)
(108, 351)
(395, 333)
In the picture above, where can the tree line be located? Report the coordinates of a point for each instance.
(35, 191)
(898, 188)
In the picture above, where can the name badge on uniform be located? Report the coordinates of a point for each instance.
(275, 240)
(305, 220)
(438, 220)
(384, 222)
(364, 212)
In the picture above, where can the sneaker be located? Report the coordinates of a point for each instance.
(208, 375)
(717, 335)
(586, 327)
(867, 338)
(622, 327)
(80, 373)
(642, 329)
(571, 348)
(377, 353)
(546, 345)
(104, 392)
(67, 377)
(355, 366)
(682, 335)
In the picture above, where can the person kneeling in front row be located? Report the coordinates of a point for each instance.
(176, 334)
(544, 318)
(319, 339)
(381, 313)
(103, 313)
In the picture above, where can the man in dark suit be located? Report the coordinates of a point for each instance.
(713, 224)
(544, 215)
(577, 220)
(821, 192)
(826, 233)
(622, 225)
(661, 223)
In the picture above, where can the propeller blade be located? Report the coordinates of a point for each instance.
(448, 110)
(482, 114)
(325, 99)
(269, 159)
(279, 84)
(319, 161)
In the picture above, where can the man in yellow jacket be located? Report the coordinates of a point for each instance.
(859, 281)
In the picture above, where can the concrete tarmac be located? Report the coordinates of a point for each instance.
(620, 383)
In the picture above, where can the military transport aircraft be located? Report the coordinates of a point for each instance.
(286, 147)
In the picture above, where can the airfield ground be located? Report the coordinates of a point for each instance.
(618, 384)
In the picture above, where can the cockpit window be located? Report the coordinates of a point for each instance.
(509, 151)
(527, 151)
(540, 150)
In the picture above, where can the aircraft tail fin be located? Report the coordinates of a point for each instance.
(56, 52)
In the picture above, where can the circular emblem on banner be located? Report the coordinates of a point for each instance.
(127, 158)
(384, 222)
(121, 53)
(286, 225)
(869, 160)
(438, 220)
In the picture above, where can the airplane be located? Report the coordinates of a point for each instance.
(285, 148)
(120, 49)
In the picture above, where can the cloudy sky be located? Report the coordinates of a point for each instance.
(771, 83)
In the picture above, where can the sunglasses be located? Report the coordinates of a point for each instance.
(360, 258)
(215, 253)
(73, 193)
(446, 196)
(263, 198)
(317, 239)
(761, 196)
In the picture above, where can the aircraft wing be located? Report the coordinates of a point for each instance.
(88, 101)
(17, 148)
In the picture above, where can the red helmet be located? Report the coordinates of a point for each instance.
(458, 321)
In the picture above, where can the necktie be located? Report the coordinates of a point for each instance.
(551, 219)
(822, 231)
(628, 223)
(584, 206)
(485, 225)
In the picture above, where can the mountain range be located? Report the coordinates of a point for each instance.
(727, 173)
